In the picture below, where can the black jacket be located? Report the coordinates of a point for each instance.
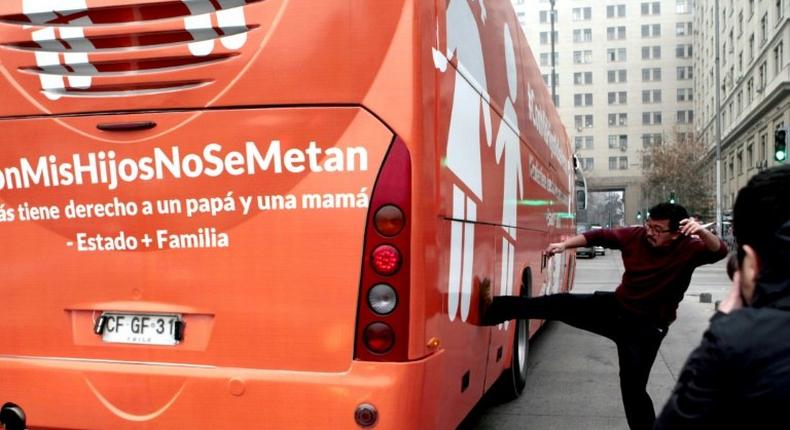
(739, 376)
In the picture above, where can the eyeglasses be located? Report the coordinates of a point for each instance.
(656, 229)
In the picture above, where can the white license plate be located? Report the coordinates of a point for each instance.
(144, 329)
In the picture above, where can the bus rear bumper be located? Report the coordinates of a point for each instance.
(97, 394)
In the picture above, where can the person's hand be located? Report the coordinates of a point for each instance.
(690, 226)
(555, 248)
(734, 298)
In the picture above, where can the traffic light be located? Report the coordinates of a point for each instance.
(639, 215)
(672, 197)
(780, 145)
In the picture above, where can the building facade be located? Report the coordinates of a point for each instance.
(624, 81)
(754, 86)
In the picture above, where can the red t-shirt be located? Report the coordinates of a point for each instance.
(655, 279)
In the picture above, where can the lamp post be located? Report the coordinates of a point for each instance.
(718, 121)
(553, 84)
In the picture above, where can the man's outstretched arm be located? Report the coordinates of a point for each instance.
(569, 243)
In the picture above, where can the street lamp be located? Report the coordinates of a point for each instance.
(553, 83)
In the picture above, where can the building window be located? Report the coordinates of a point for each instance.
(615, 33)
(616, 55)
(651, 118)
(651, 52)
(582, 35)
(651, 96)
(583, 142)
(685, 72)
(583, 121)
(618, 163)
(685, 94)
(618, 119)
(750, 155)
(685, 116)
(618, 141)
(581, 13)
(582, 57)
(650, 139)
(545, 59)
(585, 99)
(683, 29)
(651, 8)
(763, 147)
(651, 30)
(616, 76)
(762, 76)
(615, 11)
(764, 28)
(683, 51)
(587, 164)
(682, 6)
(582, 78)
(778, 58)
(779, 10)
(651, 74)
(749, 90)
(617, 97)
(547, 79)
(545, 16)
(545, 37)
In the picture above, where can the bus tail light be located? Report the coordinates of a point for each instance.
(382, 298)
(385, 259)
(379, 337)
(382, 330)
(389, 220)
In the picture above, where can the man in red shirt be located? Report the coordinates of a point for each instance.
(659, 260)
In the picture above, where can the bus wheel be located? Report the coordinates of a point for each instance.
(514, 379)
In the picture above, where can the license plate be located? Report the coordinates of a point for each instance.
(143, 329)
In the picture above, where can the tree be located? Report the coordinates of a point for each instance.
(606, 208)
(675, 170)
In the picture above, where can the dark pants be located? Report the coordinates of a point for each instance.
(637, 339)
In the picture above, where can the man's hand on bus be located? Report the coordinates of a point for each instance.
(555, 248)
(569, 243)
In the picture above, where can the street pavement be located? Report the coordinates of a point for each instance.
(573, 381)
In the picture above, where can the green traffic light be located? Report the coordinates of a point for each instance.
(780, 155)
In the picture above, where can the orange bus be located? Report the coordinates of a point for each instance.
(217, 211)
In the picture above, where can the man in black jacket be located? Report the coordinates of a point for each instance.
(739, 376)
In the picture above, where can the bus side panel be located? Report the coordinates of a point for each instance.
(465, 346)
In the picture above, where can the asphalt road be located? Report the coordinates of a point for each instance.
(573, 376)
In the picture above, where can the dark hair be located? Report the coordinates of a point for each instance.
(761, 209)
(674, 213)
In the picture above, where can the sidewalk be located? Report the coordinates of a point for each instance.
(573, 375)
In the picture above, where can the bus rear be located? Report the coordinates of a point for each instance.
(190, 195)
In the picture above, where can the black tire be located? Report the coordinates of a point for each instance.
(511, 383)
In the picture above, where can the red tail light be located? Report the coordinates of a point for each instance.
(386, 260)
(389, 220)
(379, 337)
(383, 315)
